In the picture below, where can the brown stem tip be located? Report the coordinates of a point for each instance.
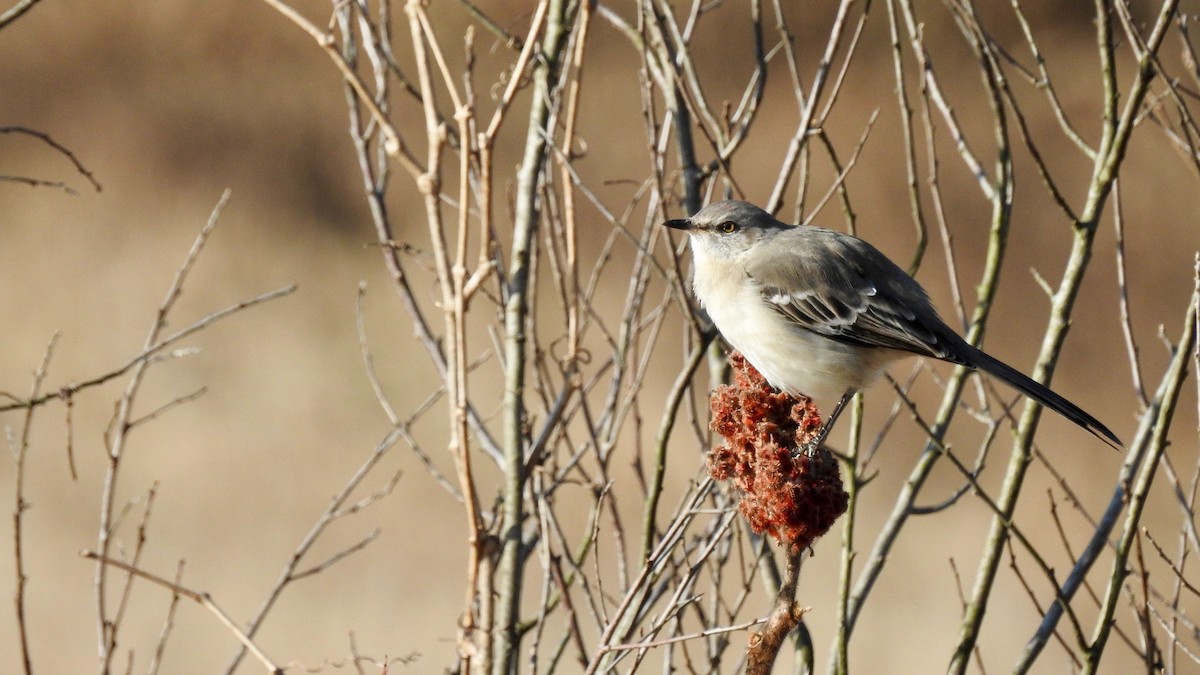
(786, 493)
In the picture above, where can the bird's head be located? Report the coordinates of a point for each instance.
(727, 228)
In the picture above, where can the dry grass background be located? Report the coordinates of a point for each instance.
(169, 103)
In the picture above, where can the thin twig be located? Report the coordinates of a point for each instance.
(200, 597)
(291, 570)
(6, 18)
(20, 449)
(149, 352)
(168, 624)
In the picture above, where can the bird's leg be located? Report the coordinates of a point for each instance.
(810, 448)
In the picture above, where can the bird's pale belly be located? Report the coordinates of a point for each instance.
(794, 359)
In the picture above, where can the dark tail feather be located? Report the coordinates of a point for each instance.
(1043, 395)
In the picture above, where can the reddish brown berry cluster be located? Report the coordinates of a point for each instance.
(786, 493)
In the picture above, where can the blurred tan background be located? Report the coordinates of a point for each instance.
(170, 103)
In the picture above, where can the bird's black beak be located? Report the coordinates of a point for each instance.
(681, 224)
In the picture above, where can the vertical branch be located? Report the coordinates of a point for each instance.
(840, 658)
(572, 244)
(452, 280)
(21, 450)
(516, 309)
(910, 151)
(1131, 347)
(786, 615)
(659, 51)
(460, 435)
(375, 184)
(1156, 443)
(116, 440)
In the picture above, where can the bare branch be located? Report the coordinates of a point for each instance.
(20, 449)
(5, 19)
(199, 597)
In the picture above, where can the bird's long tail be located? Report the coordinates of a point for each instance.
(1044, 395)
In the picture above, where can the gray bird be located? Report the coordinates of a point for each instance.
(822, 314)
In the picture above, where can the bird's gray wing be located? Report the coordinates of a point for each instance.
(845, 289)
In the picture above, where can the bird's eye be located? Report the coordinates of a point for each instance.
(729, 227)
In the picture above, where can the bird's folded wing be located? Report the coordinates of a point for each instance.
(826, 286)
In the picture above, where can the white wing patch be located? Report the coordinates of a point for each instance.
(779, 298)
(817, 312)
